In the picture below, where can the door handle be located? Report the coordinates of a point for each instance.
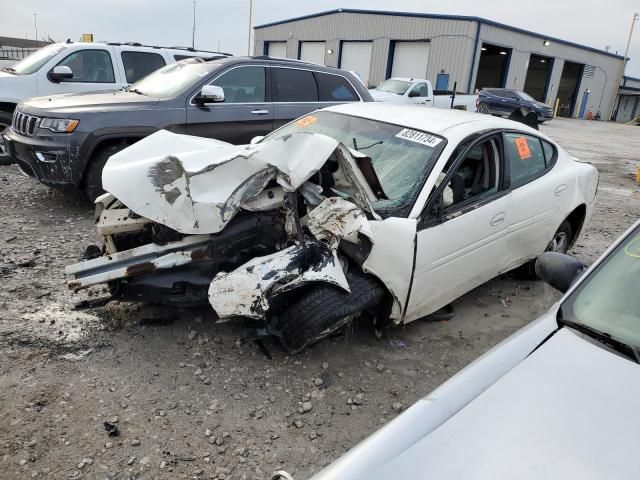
(560, 189)
(497, 219)
(259, 112)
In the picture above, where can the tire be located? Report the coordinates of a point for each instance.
(5, 119)
(559, 243)
(483, 108)
(323, 308)
(92, 183)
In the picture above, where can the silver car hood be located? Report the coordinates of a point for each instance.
(569, 410)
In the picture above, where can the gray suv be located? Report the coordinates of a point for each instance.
(64, 141)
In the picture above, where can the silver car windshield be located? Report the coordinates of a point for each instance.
(609, 299)
(394, 86)
(401, 157)
(36, 60)
(173, 79)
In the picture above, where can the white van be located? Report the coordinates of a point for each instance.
(83, 67)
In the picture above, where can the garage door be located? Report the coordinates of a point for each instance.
(277, 49)
(312, 52)
(410, 59)
(356, 56)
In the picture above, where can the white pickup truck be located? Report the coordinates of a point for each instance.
(82, 67)
(419, 91)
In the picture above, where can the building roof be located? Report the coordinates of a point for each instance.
(21, 42)
(442, 17)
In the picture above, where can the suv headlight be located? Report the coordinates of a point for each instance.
(59, 125)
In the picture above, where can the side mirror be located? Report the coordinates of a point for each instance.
(414, 93)
(60, 74)
(559, 270)
(211, 94)
(257, 139)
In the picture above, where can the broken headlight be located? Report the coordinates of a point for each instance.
(59, 125)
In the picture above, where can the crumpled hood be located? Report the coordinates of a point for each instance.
(70, 103)
(196, 185)
(380, 96)
(569, 410)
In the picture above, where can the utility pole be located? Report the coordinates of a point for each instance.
(35, 23)
(193, 31)
(250, 26)
(636, 16)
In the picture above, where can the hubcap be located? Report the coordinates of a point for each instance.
(483, 108)
(560, 243)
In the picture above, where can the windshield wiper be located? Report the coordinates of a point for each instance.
(357, 149)
(627, 349)
(10, 70)
(135, 90)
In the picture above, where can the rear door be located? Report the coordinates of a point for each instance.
(461, 235)
(94, 68)
(246, 112)
(539, 192)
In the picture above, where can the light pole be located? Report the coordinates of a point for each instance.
(250, 26)
(636, 16)
(193, 30)
(35, 23)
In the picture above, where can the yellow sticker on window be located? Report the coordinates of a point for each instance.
(304, 122)
(523, 148)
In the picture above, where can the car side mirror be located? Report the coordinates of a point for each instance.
(211, 94)
(257, 139)
(559, 270)
(60, 73)
(414, 93)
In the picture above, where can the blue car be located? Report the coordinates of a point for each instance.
(504, 101)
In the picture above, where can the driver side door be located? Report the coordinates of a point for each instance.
(461, 234)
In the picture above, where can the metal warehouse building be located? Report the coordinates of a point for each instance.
(469, 52)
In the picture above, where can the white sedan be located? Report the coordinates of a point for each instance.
(385, 211)
(557, 400)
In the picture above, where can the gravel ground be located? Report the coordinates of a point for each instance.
(194, 399)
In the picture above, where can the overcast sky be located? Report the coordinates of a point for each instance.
(596, 23)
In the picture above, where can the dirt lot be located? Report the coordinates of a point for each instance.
(194, 399)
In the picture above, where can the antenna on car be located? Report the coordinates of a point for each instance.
(530, 119)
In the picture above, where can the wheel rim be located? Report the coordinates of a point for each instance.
(560, 243)
(483, 108)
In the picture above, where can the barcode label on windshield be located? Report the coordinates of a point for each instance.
(418, 137)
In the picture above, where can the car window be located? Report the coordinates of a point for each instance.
(243, 85)
(608, 299)
(549, 152)
(392, 85)
(294, 85)
(90, 66)
(140, 64)
(511, 95)
(36, 60)
(335, 88)
(497, 93)
(177, 58)
(525, 156)
(402, 158)
(476, 176)
(421, 89)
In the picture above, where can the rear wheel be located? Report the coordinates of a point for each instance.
(483, 108)
(559, 243)
(324, 308)
(92, 184)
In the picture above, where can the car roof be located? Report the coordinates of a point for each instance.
(407, 79)
(183, 50)
(434, 120)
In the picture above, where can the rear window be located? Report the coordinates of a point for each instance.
(140, 64)
(293, 85)
(334, 88)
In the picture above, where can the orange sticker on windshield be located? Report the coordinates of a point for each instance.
(523, 148)
(304, 122)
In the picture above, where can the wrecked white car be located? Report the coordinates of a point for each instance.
(384, 211)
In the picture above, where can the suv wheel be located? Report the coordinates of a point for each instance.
(92, 183)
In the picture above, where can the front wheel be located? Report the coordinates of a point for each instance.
(92, 184)
(559, 244)
(483, 108)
